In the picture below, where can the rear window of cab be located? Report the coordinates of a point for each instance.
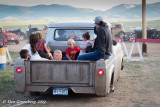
(76, 34)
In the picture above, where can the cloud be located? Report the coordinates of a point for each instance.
(10, 18)
(129, 6)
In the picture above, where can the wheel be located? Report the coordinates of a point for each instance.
(132, 38)
(121, 35)
(154, 36)
(34, 93)
(17, 42)
(1, 39)
(21, 37)
(24, 35)
(122, 65)
(111, 85)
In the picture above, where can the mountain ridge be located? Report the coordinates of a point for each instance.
(128, 11)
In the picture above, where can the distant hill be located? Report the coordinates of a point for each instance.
(133, 11)
(62, 11)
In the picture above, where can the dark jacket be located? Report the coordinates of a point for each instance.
(104, 40)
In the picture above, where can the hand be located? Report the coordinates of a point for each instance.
(101, 59)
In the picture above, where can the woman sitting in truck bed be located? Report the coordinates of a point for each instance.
(31, 47)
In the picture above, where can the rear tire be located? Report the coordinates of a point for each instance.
(21, 37)
(34, 93)
(1, 39)
(121, 35)
(24, 35)
(17, 42)
(111, 87)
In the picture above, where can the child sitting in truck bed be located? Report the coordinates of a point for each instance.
(86, 43)
(24, 54)
(71, 51)
(57, 55)
(42, 48)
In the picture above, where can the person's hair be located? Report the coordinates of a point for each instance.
(95, 30)
(86, 36)
(114, 42)
(33, 39)
(73, 33)
(1, 30)
(39, 35)
(61, 32)
(23, 53)
(57, 52)
(100, 23)
(71, 41)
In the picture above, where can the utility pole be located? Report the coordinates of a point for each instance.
(144, 26)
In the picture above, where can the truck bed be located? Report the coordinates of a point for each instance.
(68, 73)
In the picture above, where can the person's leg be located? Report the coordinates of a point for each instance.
(50, 56)
(64, 58)
(93, 56)
(107, 57)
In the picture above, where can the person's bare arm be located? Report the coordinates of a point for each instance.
(68, 57)
(45, 48)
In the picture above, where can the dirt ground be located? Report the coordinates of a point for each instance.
(152, 48)
(139, 86)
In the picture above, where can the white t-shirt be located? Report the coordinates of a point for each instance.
(34, 56)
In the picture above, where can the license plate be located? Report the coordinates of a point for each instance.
(60, 91)
(12, 38)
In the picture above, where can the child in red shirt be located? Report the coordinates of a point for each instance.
(71, 50)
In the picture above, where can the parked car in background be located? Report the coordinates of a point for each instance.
(31, 30)
(137, 34)
(9, 37)
(117, 30)
(18, 32)
(156, 34)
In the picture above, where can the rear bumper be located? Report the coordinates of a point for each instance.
(87, 90)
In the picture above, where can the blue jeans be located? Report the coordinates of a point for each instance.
(107, 57)
(93, 56)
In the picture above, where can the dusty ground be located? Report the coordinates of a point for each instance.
(139, 86)
(153, 48)
(16, 47)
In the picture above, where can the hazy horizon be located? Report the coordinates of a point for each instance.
(96, 5)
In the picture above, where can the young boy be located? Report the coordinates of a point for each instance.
(71, 50)
(24, 54)
(57, 55)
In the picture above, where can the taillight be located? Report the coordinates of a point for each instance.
(100, 72)
(19, 70)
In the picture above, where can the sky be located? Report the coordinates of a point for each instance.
(93, 4)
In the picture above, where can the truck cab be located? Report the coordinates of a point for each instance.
(59, 33)
(88, 77)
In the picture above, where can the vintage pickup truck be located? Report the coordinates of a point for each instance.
(90, 77)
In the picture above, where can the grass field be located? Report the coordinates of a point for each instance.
(151, 24)
(23, 25)
(7, 76)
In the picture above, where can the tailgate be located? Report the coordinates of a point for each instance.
(61, 72)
